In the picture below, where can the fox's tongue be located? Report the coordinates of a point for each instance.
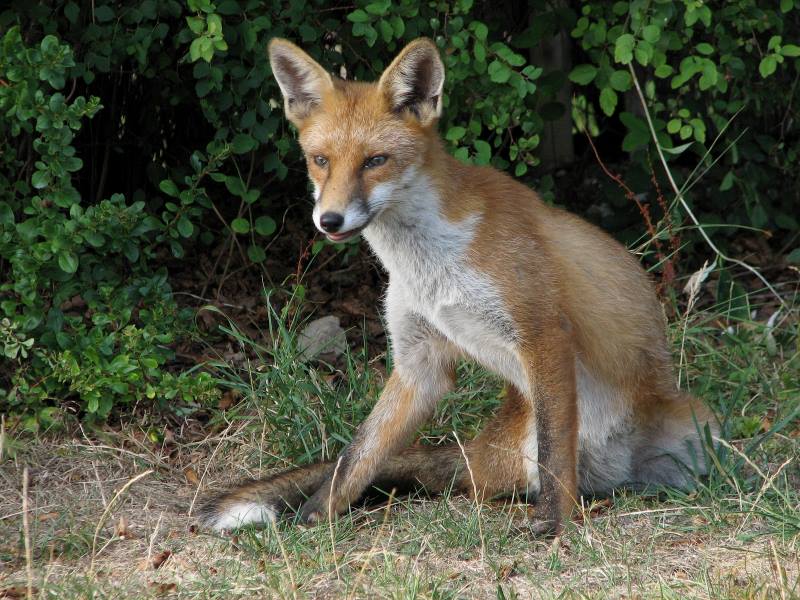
(340, 237)
(345, 235)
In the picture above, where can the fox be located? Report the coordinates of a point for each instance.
(480, 268)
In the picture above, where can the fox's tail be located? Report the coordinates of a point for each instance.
(428, 469)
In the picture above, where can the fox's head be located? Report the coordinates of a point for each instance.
(361, 140)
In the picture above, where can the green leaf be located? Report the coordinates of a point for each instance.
(651, 33)
(484, 152)
(240, 225)
(643, 52)
(235, 185)
(206, 49)
(677, 149)
(623, 48)
(103, 14)
(790, 50)
(480, 30)
(767, 65)
(72, 11)
(367, 31)
(68, 261)
(398, 25)
(635, 139)
(196, 24)
(185, 227)
(6, 214)
(358, 16)
(727, 182)
(203, 86)
(256, 253)
(704, 48)
(608, 101)
(195, 50)
(794, 257)
(583, 74)
(455, 133)
(620, 81)
(663, 71)
(499, 72)
(787, 5)
(621, 8)
(214, 24)
(265, 225)
(710, 75)
(243, 143)
(131, 251)
(94, 238)
(378, 8)
(638, 133)
(168, 187)
(40, 179)
(673, 126)
(308, 33)
(386, 30)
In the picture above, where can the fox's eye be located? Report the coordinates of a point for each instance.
(321, 161)
(375, 161)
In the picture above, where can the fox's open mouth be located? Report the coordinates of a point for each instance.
(345, 235)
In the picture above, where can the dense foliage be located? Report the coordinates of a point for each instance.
(136, 135)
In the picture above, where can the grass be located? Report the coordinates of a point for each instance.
(94, 532)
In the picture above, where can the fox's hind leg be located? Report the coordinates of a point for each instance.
(503, 457)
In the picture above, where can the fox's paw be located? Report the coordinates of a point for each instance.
(319, 507)
(312, 513)
(230, 511)
(544, 528)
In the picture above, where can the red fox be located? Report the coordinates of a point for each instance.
(479, 267)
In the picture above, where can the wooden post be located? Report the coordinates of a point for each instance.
(555, 54)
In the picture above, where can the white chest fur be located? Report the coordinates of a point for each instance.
(429, 276)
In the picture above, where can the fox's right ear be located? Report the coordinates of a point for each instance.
(301, 79)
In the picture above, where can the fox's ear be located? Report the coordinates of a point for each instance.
(301, 79)
(414, 81)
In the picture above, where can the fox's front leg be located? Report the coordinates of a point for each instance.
(551, 366)
(423, 373)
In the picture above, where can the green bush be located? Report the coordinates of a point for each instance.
(706, 70)
(138, 135)
(85, 313)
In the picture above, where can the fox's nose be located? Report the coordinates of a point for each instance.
(331, 221)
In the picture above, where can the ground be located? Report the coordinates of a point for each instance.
(109, 508)
(91, 536)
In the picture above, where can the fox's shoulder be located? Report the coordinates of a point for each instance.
(483, 190)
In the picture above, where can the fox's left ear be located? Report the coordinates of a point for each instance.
(414, 81)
